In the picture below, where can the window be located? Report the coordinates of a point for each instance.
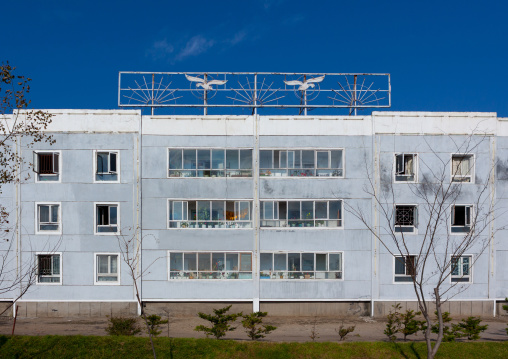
(406, 218)
(301, 265)
(301, 163)
(209, 162)
(209, 214)
(405, 167)
(462, 168)
(48, 218)
(49, 268)
(47, 166)
(107, 166)
(210, 265)
(405, 268)
(461, 218)
(461, 269)
(301, 214)
(107, 219)
(107, 268)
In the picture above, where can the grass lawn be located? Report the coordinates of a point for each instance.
(133, 347)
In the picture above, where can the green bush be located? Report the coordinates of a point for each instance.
(154, 322)
(404, 323)
(471, 327)
(122, 326)
(344, 331)
(253, 323)
(450, 333)
(220, 322)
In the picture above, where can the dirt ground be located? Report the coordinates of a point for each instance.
(289, 329)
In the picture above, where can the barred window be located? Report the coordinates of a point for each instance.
(406, 218)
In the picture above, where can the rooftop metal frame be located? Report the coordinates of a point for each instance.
(254, 90)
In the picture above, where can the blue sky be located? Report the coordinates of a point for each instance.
(442, 55)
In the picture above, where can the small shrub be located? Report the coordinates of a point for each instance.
(253, 323)
(343, 331)
(450, 333)
(314, 333)
(471, 327)
(220, 322)
(404, 323)
(393, 324)
(122, 326)
(409, 325)
(154, 323)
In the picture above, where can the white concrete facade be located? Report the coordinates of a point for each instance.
(142, 192)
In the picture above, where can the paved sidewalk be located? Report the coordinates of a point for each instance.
(289, 329)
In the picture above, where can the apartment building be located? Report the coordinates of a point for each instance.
(250, 210)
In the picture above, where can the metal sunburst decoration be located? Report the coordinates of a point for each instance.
(152, 93)
(250, 95)
(356, 94)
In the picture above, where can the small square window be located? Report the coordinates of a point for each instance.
(48, 218)
(107, 218)
(47, 166)
(462, 168)
(406, 219)
(405, 268)
(405, 167)
(49, 268)
(461, 269)
(107, 166)
(107, 268)
(461, 218)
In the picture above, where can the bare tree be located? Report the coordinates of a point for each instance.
(438, 260)
(130, 250)
(18, 126)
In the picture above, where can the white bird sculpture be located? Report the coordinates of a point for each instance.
(206, 85)
(305, 84)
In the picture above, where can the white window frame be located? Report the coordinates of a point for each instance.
(466, 225)
(37, 254)
(315, 271)
(471, 175)
(36, 165)
(470, 276)
(95, 204)
(342, 212)
(118, 168)
(225, 169)
(96, 271)
(171, 201)
(316, 168)
(415, 219)
(403, 275)
(415, 167)
(37, 230)
(168, 271)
